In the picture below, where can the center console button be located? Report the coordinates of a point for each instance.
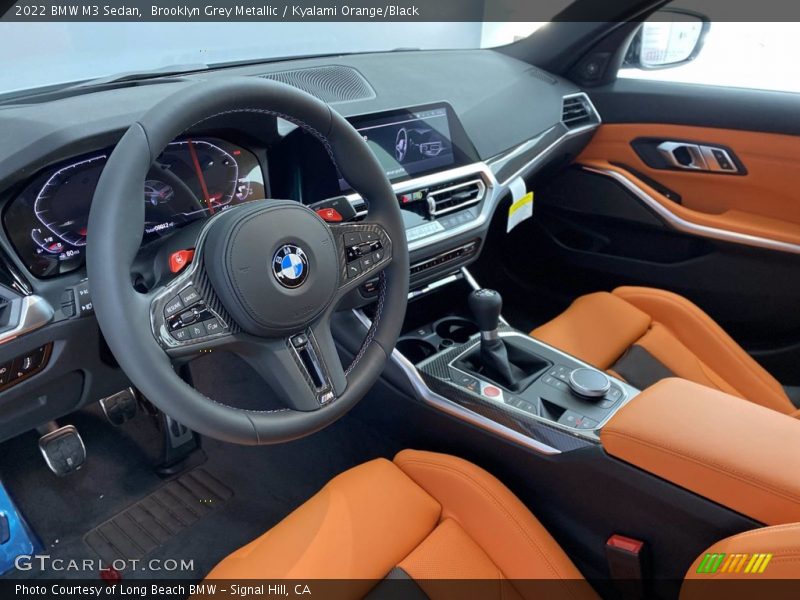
(571, 419)
(589, 383)
(491, 391)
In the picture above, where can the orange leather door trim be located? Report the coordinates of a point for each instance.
(765, 202)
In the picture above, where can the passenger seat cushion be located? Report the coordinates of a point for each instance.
(490, 514)
(597, 328)
(710, 344)
(450, 554)
(680, 360)
(642, 334)
(359, 526)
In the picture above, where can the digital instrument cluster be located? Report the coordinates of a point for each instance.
(192, 179)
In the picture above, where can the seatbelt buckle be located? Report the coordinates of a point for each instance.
(627, 565)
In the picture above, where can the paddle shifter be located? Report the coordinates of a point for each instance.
(494, 362)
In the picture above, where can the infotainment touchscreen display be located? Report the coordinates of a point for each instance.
(411, 142)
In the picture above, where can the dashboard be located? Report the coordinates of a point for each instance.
(452, 129)
(192, 179)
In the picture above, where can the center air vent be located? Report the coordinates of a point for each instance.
(577, 110)
(334, 83)
(455, 196)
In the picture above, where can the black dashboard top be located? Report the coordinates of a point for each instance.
(420, 111)
(500, 101)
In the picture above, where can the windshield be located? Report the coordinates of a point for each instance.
(46, 54)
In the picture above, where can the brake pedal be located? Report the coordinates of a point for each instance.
(120, 407)
(63, 450)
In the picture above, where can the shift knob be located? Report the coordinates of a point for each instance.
(486, 306)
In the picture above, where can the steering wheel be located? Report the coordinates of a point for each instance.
(266, 277)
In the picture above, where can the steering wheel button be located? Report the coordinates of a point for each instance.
(182, 335)
(352, 239)
(367, 262)
(178, 260)
(173, 307)
(300, 340)
(189, 296)
(212, 326)
(329, 215)
(353, 270)
(197, 330)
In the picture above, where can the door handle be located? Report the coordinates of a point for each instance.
(697, 157)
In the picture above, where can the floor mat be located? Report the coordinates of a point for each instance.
(267, 482)
(151, 522)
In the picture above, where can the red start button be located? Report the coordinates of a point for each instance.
(491, 392)
(329, 215)
(178, 260)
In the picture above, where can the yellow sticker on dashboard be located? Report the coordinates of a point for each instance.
(519, 211)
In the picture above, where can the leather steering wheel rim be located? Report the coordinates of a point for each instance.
(115, 229)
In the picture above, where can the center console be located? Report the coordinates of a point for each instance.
(478, 368)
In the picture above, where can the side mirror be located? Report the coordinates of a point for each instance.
(668, 38)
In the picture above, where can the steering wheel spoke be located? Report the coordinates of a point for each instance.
(365, 249)
(303, 369)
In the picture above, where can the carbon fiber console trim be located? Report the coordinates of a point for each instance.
(435, 372)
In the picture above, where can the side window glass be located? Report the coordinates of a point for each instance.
(732, 54)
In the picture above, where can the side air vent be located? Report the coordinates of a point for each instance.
(454, 196)
(577, 111)
(334, 83)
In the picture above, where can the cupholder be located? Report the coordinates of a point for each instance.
(457, 329)
(415, 350)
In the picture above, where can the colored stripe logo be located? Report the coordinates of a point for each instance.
(753, 564)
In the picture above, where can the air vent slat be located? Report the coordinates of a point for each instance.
(333, 83)
(456, 196)
(577, 111)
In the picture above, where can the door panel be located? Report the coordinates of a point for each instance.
(763, 201)
(728, 242)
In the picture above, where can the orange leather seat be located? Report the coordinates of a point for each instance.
(431, 519)
(644, 335)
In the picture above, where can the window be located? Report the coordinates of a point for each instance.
(747, 55)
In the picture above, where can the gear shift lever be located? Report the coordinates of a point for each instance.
(486, 306)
